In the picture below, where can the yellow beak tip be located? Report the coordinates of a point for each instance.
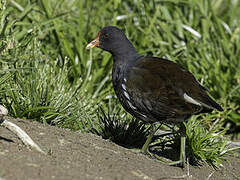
(93, 44)
(89, 46)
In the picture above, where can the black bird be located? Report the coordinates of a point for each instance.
(153, 89)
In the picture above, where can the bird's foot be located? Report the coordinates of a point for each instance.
(145, 152)
(180, 163)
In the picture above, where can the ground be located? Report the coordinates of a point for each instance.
(74, 155)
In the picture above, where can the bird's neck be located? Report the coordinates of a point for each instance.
(123, 60)
(125, 55)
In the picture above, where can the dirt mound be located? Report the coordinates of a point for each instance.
(74, 155)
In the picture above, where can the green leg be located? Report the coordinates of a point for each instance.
(183, 144)
(182, 157)
(182, 151)
(181, 161)
(149, 139)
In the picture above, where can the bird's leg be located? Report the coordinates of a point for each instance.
(183, 144)
(149, 139)
(181, 161)
(182, 158)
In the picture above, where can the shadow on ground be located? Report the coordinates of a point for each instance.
(74, 155)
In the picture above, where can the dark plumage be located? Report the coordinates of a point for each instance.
(149, 88)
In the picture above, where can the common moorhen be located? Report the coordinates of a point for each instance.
(153, 89)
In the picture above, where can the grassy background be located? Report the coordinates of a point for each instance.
(47, 75)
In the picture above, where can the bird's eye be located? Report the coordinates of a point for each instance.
(106, 36)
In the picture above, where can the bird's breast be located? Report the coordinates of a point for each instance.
(129, 104)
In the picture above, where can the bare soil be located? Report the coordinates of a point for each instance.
(73, 155)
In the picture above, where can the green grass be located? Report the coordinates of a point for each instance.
(121, 129)
(47, 75)
(206, 144)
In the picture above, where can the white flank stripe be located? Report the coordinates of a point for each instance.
(190, 100)
(142, 115)
(126, 95)
(207, 106)
(131, 106)
(124, 87)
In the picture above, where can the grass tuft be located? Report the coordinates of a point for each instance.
(125, 131)
(207, 144)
